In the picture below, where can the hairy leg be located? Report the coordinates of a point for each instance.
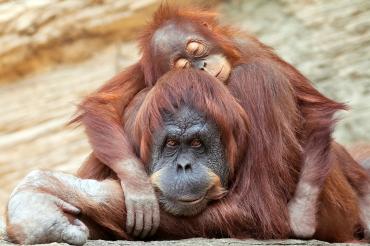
(57, 207)
(343, 211)
(356, 168)
(361, 182)
(339, 214)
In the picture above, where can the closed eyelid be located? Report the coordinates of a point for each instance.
(182, 63)
(174, 58)
(202, 45)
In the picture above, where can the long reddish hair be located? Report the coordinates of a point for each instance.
(252, 189)
(275, 125)
(203, 93)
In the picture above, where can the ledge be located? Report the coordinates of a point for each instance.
(197, 241)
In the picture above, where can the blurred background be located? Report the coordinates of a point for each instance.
(53, 53)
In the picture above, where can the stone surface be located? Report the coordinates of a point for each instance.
(35, 34)
(198, 241)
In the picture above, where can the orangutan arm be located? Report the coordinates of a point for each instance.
(101, 114)
(57, 207)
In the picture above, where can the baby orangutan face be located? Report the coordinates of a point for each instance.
(188, 166)
(178, 47)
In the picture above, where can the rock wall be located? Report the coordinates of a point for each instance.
(52, 53)
(35, 34)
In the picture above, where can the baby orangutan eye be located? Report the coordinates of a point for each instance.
(196, 49)
(196, 143)
(171, 143)
(182, 63)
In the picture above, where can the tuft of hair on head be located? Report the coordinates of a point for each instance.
(175, 12)
(203, 92)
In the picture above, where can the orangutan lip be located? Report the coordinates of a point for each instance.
(220, 71)
(191, 202)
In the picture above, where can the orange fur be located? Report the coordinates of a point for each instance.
(286, 137)
(233, 215)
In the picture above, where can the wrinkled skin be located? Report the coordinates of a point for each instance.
(188, 169)
(46, 219)
(188, 164)
(38, 217)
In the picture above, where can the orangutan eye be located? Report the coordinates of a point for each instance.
(182, 63)
(196, 49)
(171, 143)
(196, 143)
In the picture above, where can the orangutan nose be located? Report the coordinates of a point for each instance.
(184, 167)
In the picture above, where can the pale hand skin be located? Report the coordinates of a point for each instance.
(40, 217)
(302, 210)
(142, 206)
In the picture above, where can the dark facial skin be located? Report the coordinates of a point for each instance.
(184, 46)
(188, 164)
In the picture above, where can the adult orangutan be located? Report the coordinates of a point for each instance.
(196, 142)
(283, 107)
